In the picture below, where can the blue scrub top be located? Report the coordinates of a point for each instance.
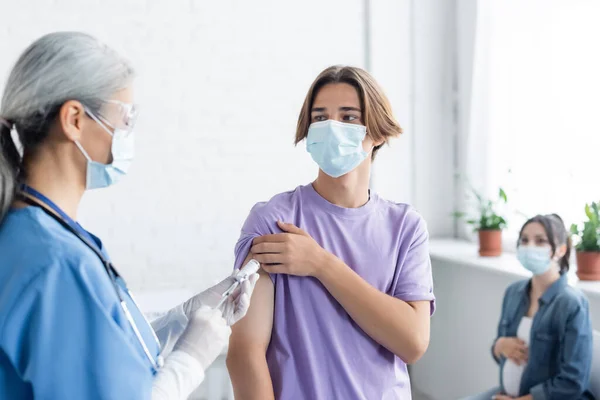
(63, 334)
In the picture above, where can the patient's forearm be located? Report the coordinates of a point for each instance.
(249, 375)
(246, 359)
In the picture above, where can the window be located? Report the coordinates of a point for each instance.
(544, 105)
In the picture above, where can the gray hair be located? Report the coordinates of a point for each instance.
(56, 68)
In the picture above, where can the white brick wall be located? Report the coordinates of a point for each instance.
(220, 85)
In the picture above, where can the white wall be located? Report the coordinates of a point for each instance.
(220, 85)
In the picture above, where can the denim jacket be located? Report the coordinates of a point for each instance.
(560, 348)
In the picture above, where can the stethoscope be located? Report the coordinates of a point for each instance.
(67, 222)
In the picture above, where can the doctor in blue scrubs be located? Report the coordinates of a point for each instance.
(69, 328)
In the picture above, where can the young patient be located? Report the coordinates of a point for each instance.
(350, 293)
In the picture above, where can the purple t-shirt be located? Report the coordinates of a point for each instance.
(317, 351)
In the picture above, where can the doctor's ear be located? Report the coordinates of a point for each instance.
(71, 119)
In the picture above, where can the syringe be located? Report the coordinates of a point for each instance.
(240, 277)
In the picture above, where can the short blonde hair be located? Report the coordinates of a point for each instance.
(375, 106)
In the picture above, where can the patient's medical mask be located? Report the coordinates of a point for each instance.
(336, 146)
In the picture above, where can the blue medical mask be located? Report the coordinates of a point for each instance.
(336, 146)
(536, 259)
(123, 150)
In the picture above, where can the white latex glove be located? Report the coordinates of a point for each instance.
(234, 309)
(203, 339)
(205, 336)
(236, 306)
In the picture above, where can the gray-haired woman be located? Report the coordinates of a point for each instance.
(69, 328)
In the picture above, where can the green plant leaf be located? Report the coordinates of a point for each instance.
(574, 230)
(502, 195)
(594, 206)
(486, 216)
(589, 234)
(588, 212)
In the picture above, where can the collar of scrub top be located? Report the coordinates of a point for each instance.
(74, 225)
(88, 240)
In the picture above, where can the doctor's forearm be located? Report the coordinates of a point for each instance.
(391, 322)
(178, 378)
(169, 327)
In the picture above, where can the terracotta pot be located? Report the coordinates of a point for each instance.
(588, 265)
(490, 243)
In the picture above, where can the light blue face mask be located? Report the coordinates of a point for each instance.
(336, 146)
(536, 259)
(123, 150)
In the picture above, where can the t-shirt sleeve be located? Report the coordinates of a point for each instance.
(257, 224)
(414, 281)
(63, 340)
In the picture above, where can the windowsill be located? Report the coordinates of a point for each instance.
(466, 253)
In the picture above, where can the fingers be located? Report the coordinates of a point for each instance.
(517, 361)
(291, 228)
(249, 284)
(270, 258)
(520, 348)
(277, 237)
(518, 356)
(268, 247)
(228, 309)
(253, 279)
(515, 350)
(241, 308)
(238, 306)
(520, 351)
(520, 345)
(280, 237)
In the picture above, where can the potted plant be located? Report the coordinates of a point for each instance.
(488, 223)
(587, 239)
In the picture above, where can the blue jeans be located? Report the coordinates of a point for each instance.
(485, 395)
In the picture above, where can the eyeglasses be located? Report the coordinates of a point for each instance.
(119, 115)
(116, 115)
